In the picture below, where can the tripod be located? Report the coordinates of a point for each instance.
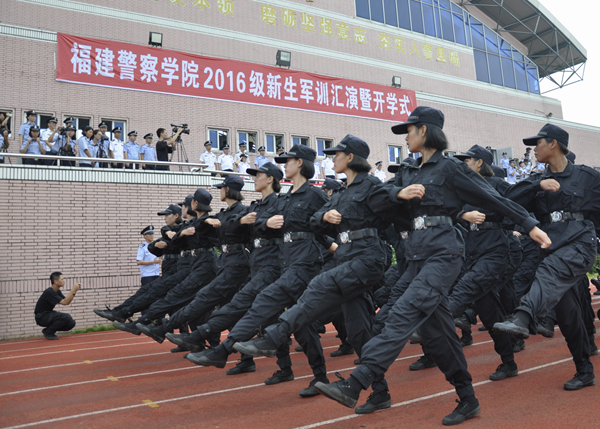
(181, 153)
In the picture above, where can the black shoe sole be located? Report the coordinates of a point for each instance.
(581, 386)
(104, 316)
(337, 353)
(146, 331)
(459, 324)
(465, 417)
(179, 349)
(205, 362)
(309, 392)
(51, 338)
(368, 410)
(482, 329)
(194, 348)
(508, 374)
(467, 344)
(236, 370)
(271, 382)
(545, 332)
(253, 351)
(499, 328)
(334, 393)
(126, 329)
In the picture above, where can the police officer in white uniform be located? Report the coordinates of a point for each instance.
(378, 171)
(208, 157)
(243, 165)
(148, 263)
(225, 160)
(115, 148)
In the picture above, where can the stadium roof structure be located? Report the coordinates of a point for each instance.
(558, 55)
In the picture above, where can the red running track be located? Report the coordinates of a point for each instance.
(115, 379)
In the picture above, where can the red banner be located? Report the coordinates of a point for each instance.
(142, 68)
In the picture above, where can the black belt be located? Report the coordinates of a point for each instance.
(226, 248)
(263, 242)
(196, 252)
(185, 253)
(485, 226)
(424, 222)
(560, 216)
(288, 237)
(350, 236)
(171, 256)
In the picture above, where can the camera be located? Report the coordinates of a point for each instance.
(62, 131)
(183, 126)
(103, 138)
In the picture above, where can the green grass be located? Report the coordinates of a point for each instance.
(98, 328)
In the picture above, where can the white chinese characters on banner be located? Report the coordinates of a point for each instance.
(189, 74)
(82, 62)
(148, 68)
(127, 64)
(170, 66)
(104, 62)
(274, 86)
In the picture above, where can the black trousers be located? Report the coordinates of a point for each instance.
(346, 285)
(218, 292)
(423, 305)
(479, 285)
(525, 274)
(54, 321)
(202, 272)
(556, 286)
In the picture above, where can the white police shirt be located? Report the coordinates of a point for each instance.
(380, 174)
(328, 167)
(144, 255)
(317, 170)
(208, 158)
(116, 147)
(260, 161)
(238, 156)
(242, 167)
(45, 135)
(226, 162)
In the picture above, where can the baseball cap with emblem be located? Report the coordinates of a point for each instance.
(297, 151)
(172, 209)
(421, 115)
(187, 201)
(148, 230)
(350, 144)
(331, 184)
(477, 152)
(268, 168)
(553, 132)
(203, 197)
(232, 182)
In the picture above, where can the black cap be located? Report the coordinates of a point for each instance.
(33, 128)
(117, 130)
(148, 230)
(243, 155)
(571, 157)
(504, 153)
(498, 171)
(149, 136)
(379, 163)
(187, 201)
(66, 121)
(261, 148)
(421, 115)
(528, 149)
(172, 209)
(226, 146)
(207, 143)
(350, 144)
(331, 184)
(553, 132)
(102, 124)
(477, 152)
(297, 151)
(31, 112)
(280, 150)
(202, 196)
(242, 144)
(268, 168)
(232, 182)
(70, 128)
(132, 133)
(53, 119)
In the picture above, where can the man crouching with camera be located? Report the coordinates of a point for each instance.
(164, 147)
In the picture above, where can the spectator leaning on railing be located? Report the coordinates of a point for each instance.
(24, 128)
(84, 143)
(4, 143)
(33, 146)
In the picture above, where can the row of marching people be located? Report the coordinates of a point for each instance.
(455, 230)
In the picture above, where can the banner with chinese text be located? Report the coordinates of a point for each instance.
(143, 68)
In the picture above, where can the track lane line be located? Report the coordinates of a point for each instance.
(78, 350)
(67, 345)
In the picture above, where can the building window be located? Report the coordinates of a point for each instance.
(114, 123)
(323, 144)
(249, 138)
(450, 153)
(395, 154)
(446, 20)
(80, 122)
(218, 137)
(273, 142)
(41, 119)
(300, 140)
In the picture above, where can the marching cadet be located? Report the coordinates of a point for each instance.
(225, 160)
(147, 152)
(378, 171)
(131, 150)
(233, 263)
(565, 198)
(261, 159)
(116, 148)
(208, 157)
(434, 252)
(148, 263)
(300, 261)
(264, 267)
(33, 145)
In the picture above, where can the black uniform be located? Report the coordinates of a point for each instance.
(565, 218)
(233, 266)
(162, 153)
(434, 259)
(361, 258)
(46, 316)
(202, 269)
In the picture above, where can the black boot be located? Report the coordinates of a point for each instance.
(285, 374)
(128, 327)
(504, 371)
(375, 401)
(546, 327)
(518, 345)
(210, 357)
(423, 362)
(466, 339)
(245, 365)
(581, 380)
(258, 346)
(463, 323)
(345, 349)
(310, 390)
(466, 409)
(157, 333)
(193, 342)
(517, 325)
(344, 391)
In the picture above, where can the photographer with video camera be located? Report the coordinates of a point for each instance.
(65, 145)
(164, 147)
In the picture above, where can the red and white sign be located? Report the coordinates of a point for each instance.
(142, 68)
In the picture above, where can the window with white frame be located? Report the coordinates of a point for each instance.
(273, 142)
(249, 138)
(218, 137)
(450, 153)
(41, 119)
(323, 144)
(395, 154)
(300, 140)
(114, 123)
